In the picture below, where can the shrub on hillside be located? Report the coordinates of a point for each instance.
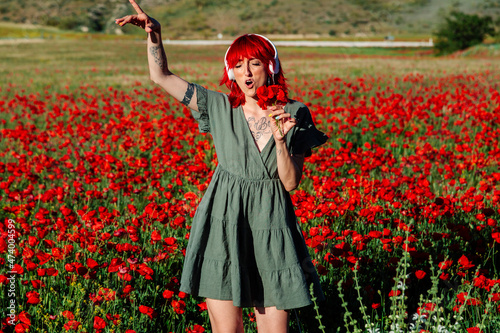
(461, 31)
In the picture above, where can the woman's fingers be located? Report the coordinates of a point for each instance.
(136, 7)
(279, 114)
(132, 19)
(283, 116)
(141, 19)
(281, 121)
(123, 20)
(148, 27)
(142, 16)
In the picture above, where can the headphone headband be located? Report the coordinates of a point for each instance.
(274, 69)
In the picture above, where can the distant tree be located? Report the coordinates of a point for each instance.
(461, 31)
(97, 17)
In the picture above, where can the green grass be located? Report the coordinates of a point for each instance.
(119, 62)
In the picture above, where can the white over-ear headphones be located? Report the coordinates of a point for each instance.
(274, 69)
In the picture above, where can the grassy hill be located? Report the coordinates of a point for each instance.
(208, 18)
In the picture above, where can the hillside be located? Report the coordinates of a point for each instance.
(208, 18)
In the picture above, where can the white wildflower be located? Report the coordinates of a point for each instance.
(373, 330)
(395, 329)
(401, 285)
(421, 317)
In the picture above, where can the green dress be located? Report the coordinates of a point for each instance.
(245, 243)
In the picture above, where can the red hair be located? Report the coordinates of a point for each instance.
(250, 46)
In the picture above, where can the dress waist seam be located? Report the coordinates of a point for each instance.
(222, 170)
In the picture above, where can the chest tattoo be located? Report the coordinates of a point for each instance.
(260, 128)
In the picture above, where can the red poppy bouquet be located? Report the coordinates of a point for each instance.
(271, 96)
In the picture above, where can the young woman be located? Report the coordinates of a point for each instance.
(245, 248)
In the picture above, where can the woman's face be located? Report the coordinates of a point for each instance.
(250, 75)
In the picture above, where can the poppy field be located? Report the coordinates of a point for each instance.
(101, 173)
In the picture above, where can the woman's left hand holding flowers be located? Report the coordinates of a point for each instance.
(281, 122)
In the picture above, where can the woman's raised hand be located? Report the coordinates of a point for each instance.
(281, 123)
(141, 19)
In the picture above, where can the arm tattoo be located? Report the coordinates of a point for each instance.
(279, 152)
(259, 127)
(159, 56)
(188, 95)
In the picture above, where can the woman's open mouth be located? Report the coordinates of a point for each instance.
(249, 84)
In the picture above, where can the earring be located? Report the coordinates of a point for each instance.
(268, 81)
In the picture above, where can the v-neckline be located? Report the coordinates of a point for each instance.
(249, 131)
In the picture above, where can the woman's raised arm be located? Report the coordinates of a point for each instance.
(175, 86)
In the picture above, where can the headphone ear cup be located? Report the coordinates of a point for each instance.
(230, 75)
(276, 68)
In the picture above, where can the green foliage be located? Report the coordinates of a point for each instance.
(97, 16)
(461, 31)
(301, 17)
(70, 23)
(65, 23)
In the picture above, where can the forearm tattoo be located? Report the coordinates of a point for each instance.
(159, 56)
(188, 95)
(259, 128)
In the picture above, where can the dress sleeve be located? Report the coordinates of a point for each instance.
(305, 135)
(201, 116)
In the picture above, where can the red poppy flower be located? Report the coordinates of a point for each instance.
(18, 269)
(32, 241)
(445, 264)
(99, 323)
(474, 330)
(91, 263)
(143, 269)
(168, 294)
(271, 95)
(43, 257)
(465, 263)
(155, 236)
(195, 329)
(37, 284)
(420, 274)
(107, 294)
(496, 236)
(444, 276)
(24, 317)
(30, 265)
(203, 306)
(71, 325)
(150, 312)
(393, 293)
(82, 270)
(21, 328)
(495, 297)
(68, 314)
(33, 297)
(425, 308)
(179, 306)
(128, 289)
(375, 234)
